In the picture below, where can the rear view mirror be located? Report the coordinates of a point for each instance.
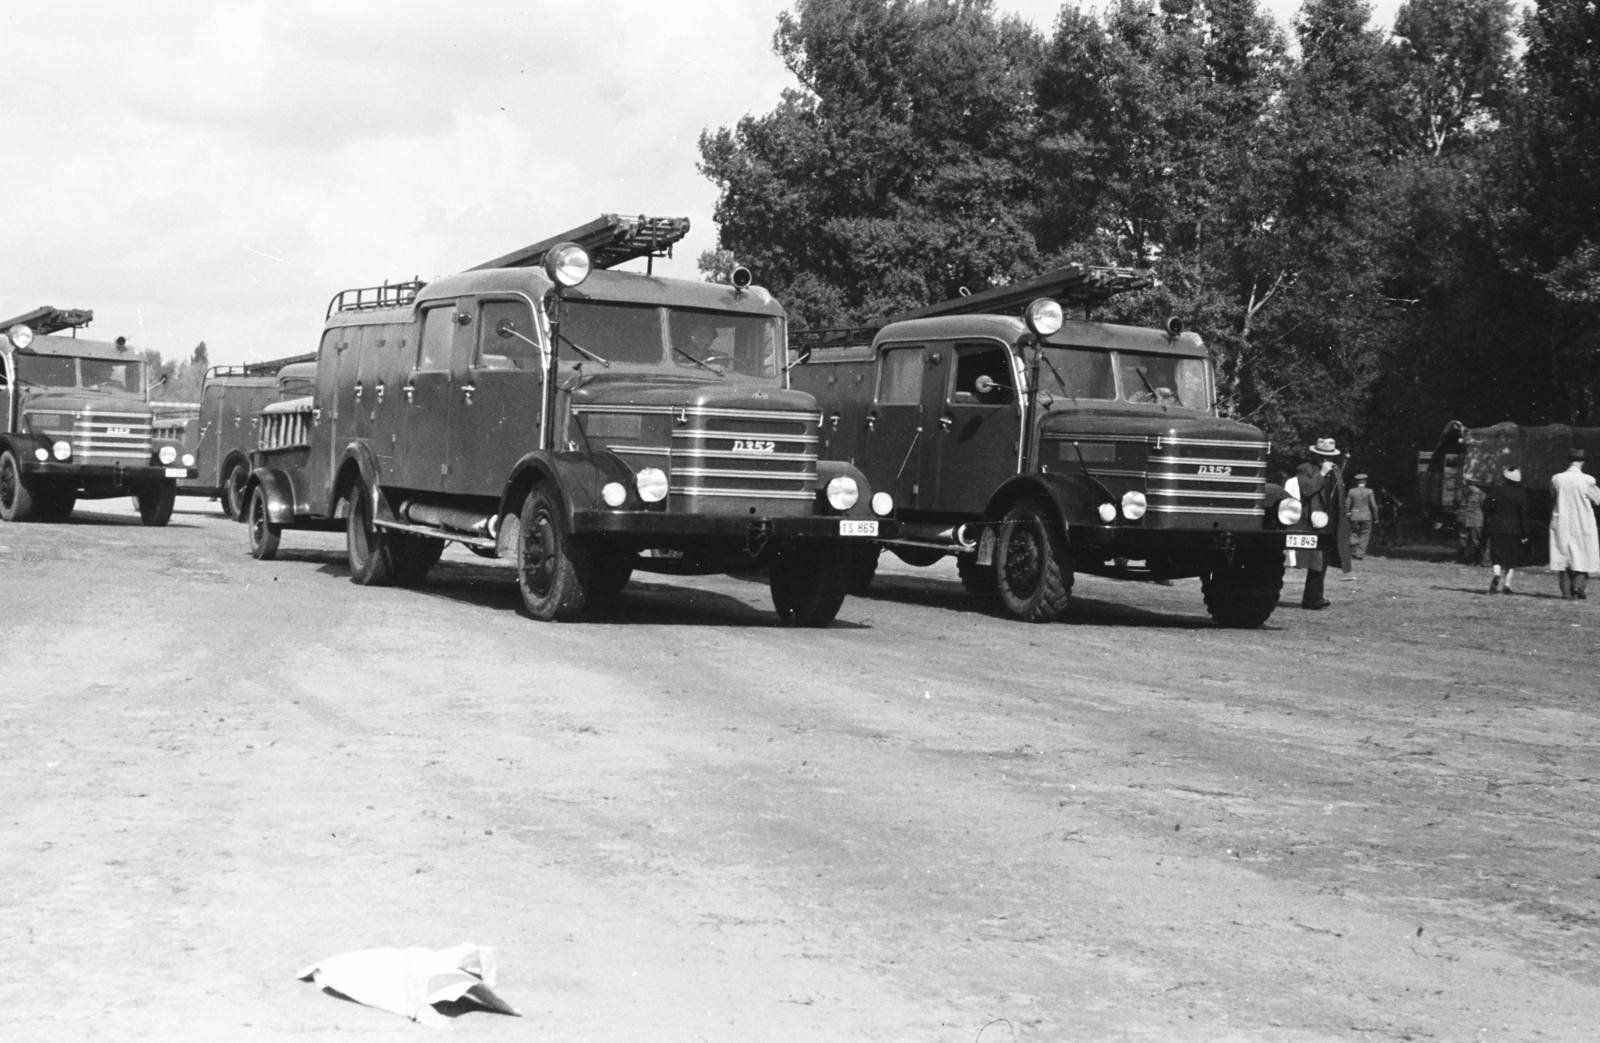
(986, 384)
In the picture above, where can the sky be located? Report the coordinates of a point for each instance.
(217, 171)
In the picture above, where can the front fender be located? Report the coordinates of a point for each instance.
(359, 459)
(278, 490)
(577, 477)
(1076, 497)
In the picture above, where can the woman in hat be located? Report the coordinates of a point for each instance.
(1574, 546)
(1319, 486)
(1505, 517)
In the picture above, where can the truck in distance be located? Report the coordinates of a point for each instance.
(1032, 446)
(77, 423)
(580, 421)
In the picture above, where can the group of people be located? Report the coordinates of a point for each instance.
(1500, 512)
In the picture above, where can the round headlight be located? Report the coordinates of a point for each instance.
(41, 455)
(20, 335)
(613, 494)
(1288, 510)
(62, 450)
(188, 459)
(1133, 505)
(167, 454)
(652, 484)
(882, 503)
(1044, 316)
(842, 493)
(567, 264)
(1108, 512)
(1319, 519)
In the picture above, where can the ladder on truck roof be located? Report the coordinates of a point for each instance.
(1075, 284)
(46, 320)
(610, 239)
(269, 368)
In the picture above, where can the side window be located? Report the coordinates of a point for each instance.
(438, 330)
(974, 362)
(900, 377)
(507, 336)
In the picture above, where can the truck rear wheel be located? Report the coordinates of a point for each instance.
(809, 579)
(1031, 571)
(233, 484)
(155, 505)
(555, 570)
(1243, 593)
(259, 529)
(17, 502)
(367, 546)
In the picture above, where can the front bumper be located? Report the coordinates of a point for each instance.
(1135, 542)
(732, 526)
(115, 472)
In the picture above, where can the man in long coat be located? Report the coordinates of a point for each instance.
(1574, 546)
(1319, 485)
(1505, 518)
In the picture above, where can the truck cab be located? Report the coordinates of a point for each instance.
(583, 423)
(77, 423)
(1032, 446)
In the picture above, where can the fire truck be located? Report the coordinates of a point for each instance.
(580, 421)
(77, 423)
(1032, 446)
(222, 432)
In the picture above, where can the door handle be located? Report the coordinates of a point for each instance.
(358, 391)
(410, 389)
(380, 392)
(872, 421)
(468, 389)
(946, 421)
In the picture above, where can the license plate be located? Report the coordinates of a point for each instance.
(177, 472)
(1301, 542)
(858, 528)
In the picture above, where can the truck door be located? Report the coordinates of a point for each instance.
(497, 396)
(422, 428)
(392, 354)
(974, 442)
(324, 432)
(893, 439)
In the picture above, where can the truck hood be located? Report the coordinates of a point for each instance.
(691, 395)
(71, 400)
(1125, 422)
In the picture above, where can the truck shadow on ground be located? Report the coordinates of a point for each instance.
(80, 516)
(1484, 590)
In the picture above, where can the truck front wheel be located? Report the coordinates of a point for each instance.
(809, 579)
(233, 484)
(366, 545)
(555, 571)
(263, 535)
(1031, 572)
(155, 505)
(1243, 593)
(16, 490)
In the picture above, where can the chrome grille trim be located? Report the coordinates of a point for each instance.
(768, 476)
(705, 464)
(744, 494)
(1207, 494)
(92, 438)
(1215, 461)
(1237, 479)
(1162, 441)
(729, 454)
(285, 430)
(757, 436)
(1169, 508)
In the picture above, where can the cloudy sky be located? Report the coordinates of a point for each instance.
(216, 171)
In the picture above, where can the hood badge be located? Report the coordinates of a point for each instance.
(759, 394)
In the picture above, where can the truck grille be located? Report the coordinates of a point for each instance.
(99, 437)
(1206, 476)
(746, 454)
(285, 430)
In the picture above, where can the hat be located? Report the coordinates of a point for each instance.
(1512, 474)
(1361, 477)
(1325, 447)
(1575, 453)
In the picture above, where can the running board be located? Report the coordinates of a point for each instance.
(447, 535)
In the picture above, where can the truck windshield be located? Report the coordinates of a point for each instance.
(1078, 373)
(615, 332)
(725, 341)
(50, 370)
(65, 372)
(1167, 379)
(745, 344)
(109, 374)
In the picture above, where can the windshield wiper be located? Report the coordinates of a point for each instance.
(1155, 396)
(1060, 380)
(698, 362)
(586, 352)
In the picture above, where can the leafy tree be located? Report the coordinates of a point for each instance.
(1454, 63)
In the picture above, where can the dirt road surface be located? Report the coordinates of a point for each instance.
(684, 823)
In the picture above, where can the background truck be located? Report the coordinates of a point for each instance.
(582, 423)
(1032, 446)
(78, 423)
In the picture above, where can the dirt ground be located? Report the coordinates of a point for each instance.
(684, 823)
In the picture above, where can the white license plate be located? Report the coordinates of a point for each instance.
(858, 528)
(1296, 541)
(177, 472)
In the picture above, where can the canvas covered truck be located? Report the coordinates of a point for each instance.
(77, 423)
(579, 421)
(1031, 446)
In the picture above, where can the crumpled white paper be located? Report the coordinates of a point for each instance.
(410, 981)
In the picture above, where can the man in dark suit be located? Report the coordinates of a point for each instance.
(1319, 485)
(1505, 517)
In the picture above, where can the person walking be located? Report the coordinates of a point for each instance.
(1505, 511)
(1574, 545)
(1319, 486)
(1469, 535)
(1361, 508)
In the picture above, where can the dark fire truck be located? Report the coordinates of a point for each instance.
(1031, 446)
(580, 421)
(78, 423)
(223, 434)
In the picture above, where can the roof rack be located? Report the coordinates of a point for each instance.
(610, 239)
(374, 298)
(45, 320)
(1083, 284)
(269, 368)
